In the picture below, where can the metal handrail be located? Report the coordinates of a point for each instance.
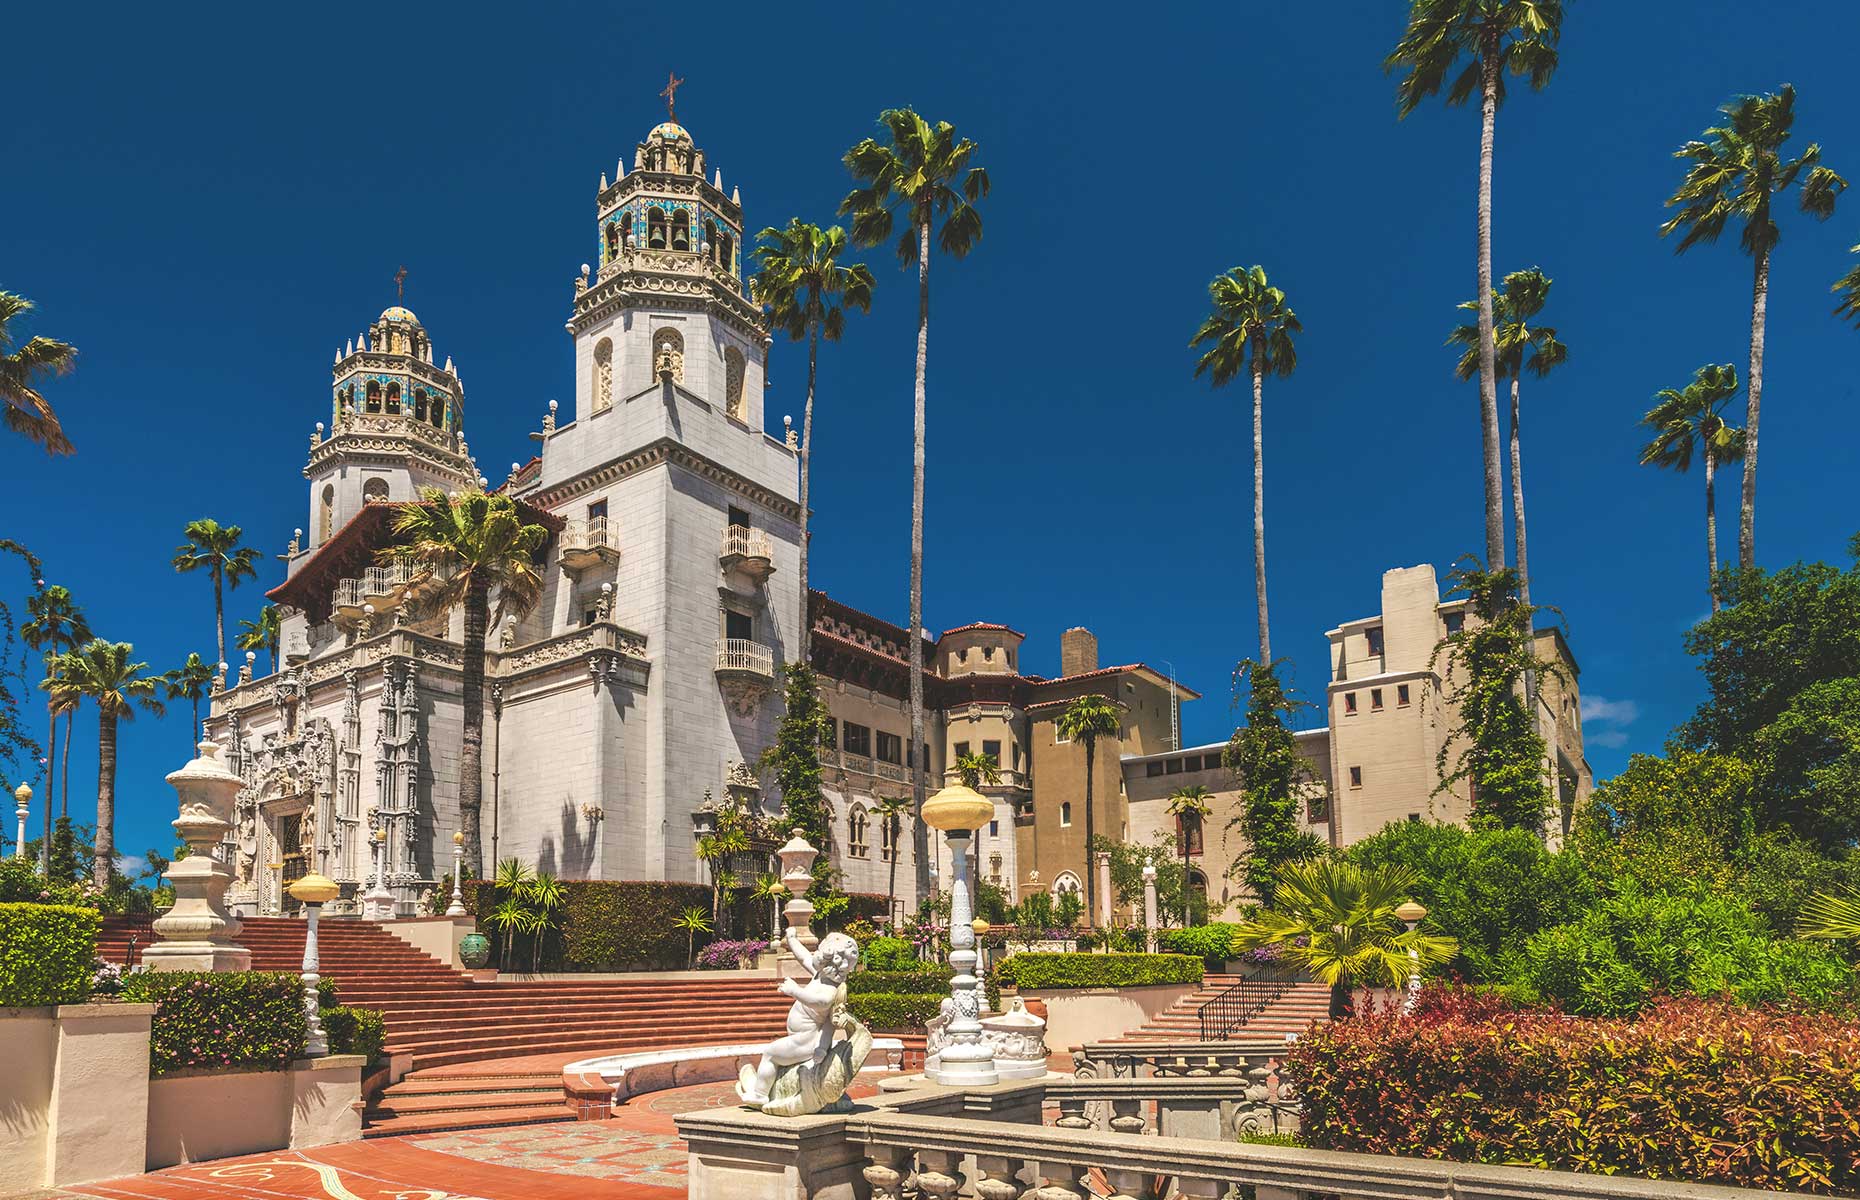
(1233, 1007)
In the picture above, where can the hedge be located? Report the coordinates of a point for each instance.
(221, 1019)
(46, 954)
(609, 924)
(919, 982)
(892, 1012)
(355, 1031)
(1699, 1090)
(1041, 970)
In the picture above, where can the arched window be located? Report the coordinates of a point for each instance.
(887, 839)
(668, 354)
(613, 241)
(1065, 813)
(393, 399)
(1067, 884)
(626, 229)
(1198, 895)
(733, 384)
(710, 240)
(438, 411)
(603, 376)
(419, 404)
(374, 396)
(726, 253)
(681, 230)
(326, 514)
(856, 826)
(374, 491)
(655, 229)
(1188, 833)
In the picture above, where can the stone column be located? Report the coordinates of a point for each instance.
(1104, 889)
(197, 933)
(1149, 904)
(967, 1059)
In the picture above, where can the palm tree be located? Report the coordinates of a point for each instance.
(1519, 346)
(1085, 720)
(890, 812)
(100, 670)
(1737, 171)
(1337, 921)
(263, 634)
(189, 681)
(545, 897)
(807, 291)
(215, 548)
(1251, 329)
(1847, 287)
(1691, 420)
(26, 410)
(55, 625)
(921, 172)
(716, 850)
(463, 546)
(1834, 916)
(1183, 801)
(693, 922)
(1496, 36)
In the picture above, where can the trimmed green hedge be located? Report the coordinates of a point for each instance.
(355, 1031)
(1040, 970)
(905, 983)
(221, 1019)
(891, 1012)
(46, 954)
(1211, 943)
(889, 954)
(608, 924)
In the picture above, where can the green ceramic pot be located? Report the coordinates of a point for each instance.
(474, 950)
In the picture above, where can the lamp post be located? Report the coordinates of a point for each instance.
(457, 907)
(967, 1060)
(22, 794)
(378, 902)
(1411, 915)
(312, 891)
(776, 891)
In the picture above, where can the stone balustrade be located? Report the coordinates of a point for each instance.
(1127, 1060)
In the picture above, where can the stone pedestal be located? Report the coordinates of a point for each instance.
(797, 861)
(197, 933)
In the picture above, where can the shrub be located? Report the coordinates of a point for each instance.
(47, 954)
(889, 954)
(923, 981)
(1691, 1090)
(610, 924)
(355, 1031)
(209, 1019)
(1213, 943)
(728, 956)
(1117, 939)
(20, 882)
(892, 1011)
(1097, 970)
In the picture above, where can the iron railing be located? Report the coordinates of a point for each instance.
(1233, 1007)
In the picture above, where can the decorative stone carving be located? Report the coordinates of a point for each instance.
(808, 1070)
(743, 696)
(197, 933)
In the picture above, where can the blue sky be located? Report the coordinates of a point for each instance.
(209, 200)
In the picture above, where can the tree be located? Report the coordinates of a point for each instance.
(101, 671)
(56, 626)
(1250, 329)
(1336, 921)
(215, 548)
(890, 812)
(464, 546)
(1495, 36)
(1184, 802)
(1501, 755)
(1173, 892)
(264, 633)
(1085, 720)
(796, 761)
(693, 922)
(1264, 756)
(920, 172)
(22, 367)
(1691, 420)
(1737, 171)
(1518, 346)
(190, 681)
(807, 291)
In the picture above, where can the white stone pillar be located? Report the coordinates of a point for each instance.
(197, 933)
(967, 1059)
(1104, 889)
(1149, 904)
(378, 900)
(23, 796)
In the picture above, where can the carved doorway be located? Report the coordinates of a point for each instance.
(289, 834)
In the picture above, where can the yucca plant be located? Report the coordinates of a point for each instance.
(693, 921)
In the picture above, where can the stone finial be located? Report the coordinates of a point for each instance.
(349, 348)
(619, 169)
(245, 671)
(718, 182)
(197, 933)
(297, 539)
(736, 197)
(603, 181)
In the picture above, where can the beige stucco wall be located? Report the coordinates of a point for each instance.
(72, 1108)
(29, 1050)
(196, 1115)
(1075, 1016)
(437, 936)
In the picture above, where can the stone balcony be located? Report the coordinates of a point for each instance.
(745, 672)
(589, 543)
(383, 588)
(746, 552)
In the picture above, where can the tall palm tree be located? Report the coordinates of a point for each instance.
(215, 548)
(807, 290)
(1495, 36)
(1847, 287)
(55, 625)
(890, 812)
(1688, 421)
(1085, 720)
(190, 681)
(922, 173)
(25, 410)
(101, 670)
(1197, 800)
(1337, 921)
(263, 634)
(1250, 329)
(464, 546)
(1737, 171)
(1518, 346)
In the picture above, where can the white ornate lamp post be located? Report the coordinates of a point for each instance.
(1411, 915)
(797, 863)
(313, 891)
(197, 932)
(775, 894)
(967, 1060)
(1149, 904)
(457, 907)
(23, 795)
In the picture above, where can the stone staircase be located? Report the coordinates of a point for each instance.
(445, 1020)
(1292, 1012)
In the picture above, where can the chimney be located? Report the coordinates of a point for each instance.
(1078, 651)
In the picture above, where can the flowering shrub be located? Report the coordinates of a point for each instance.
(1698, 1090)
(46, 952)
(208, 1019)
(728, 956)
(106, 978)
(21, 883)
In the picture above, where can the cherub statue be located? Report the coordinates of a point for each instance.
(807, 1070)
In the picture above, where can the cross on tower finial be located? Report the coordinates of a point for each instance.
(400, 284)
(670, 93)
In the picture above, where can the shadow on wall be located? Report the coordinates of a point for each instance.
(574, 859)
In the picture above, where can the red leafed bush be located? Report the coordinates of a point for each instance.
(1688, 1090)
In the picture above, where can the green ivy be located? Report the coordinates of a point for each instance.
(46, 952)
(1042, 970)
(1274, 776)
(206, 1019)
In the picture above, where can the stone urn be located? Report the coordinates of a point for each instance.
(1018, 1038)
(474, 950)
(197, 933)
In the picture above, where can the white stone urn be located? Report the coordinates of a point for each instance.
(1019, 1041)
(797, 862)
(197, 933)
